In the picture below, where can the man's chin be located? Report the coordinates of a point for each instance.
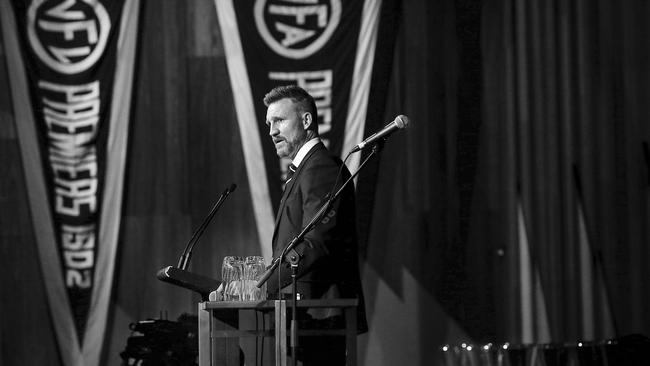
(282, 153)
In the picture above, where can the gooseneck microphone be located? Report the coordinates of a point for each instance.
(398, 123)
(179, 276)
(184, 260)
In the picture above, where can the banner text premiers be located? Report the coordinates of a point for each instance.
(71, 114)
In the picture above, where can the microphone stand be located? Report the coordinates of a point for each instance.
(294, 259)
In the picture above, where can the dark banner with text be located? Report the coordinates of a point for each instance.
(312, 44)
(325, 46)
(72, 66)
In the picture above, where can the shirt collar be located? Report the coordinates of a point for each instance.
(304, 149)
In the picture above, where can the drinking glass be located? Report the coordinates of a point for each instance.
(253, 269)
(231, 277)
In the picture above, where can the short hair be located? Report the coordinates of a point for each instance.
(299, 96)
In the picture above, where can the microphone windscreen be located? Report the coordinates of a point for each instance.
(401, 121)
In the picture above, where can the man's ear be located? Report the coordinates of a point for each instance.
(306, 120)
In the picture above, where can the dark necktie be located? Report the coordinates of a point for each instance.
(290, 172)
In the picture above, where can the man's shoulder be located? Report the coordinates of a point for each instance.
(321, 158)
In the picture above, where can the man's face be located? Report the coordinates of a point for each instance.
(287, 127)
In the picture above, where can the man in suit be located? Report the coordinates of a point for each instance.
(328, 266)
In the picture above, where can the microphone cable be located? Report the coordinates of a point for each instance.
(338, 176)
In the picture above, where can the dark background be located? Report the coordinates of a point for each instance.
(515, 209)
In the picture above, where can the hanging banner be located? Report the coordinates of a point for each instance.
(71, 72)
(325, 46)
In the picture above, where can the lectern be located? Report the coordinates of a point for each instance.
(219, 343)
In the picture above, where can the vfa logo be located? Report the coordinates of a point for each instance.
(297, 28)
(68, 36)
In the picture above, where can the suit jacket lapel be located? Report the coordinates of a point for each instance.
(289, 187)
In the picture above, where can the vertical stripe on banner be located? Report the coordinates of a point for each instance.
(37, 192)
(363, 67)
(326, 47)
(255, 167)
(71, 73)
(116, 148)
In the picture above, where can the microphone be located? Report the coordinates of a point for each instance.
(398, 123)
(178, 275)
(184, 260)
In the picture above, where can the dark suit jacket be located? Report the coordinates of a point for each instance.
(328, 266)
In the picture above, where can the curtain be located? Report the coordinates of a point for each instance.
(564, 82)
(529, 126)
(519, 198)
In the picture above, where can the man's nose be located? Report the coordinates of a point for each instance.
(273, 130)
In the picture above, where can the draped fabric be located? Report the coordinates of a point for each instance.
(564, 83)
(529, 126)
(527, 221)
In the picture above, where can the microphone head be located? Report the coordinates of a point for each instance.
(401, 121)
(232, 188)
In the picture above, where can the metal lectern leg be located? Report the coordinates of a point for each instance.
(205, 351)
(280, 332)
